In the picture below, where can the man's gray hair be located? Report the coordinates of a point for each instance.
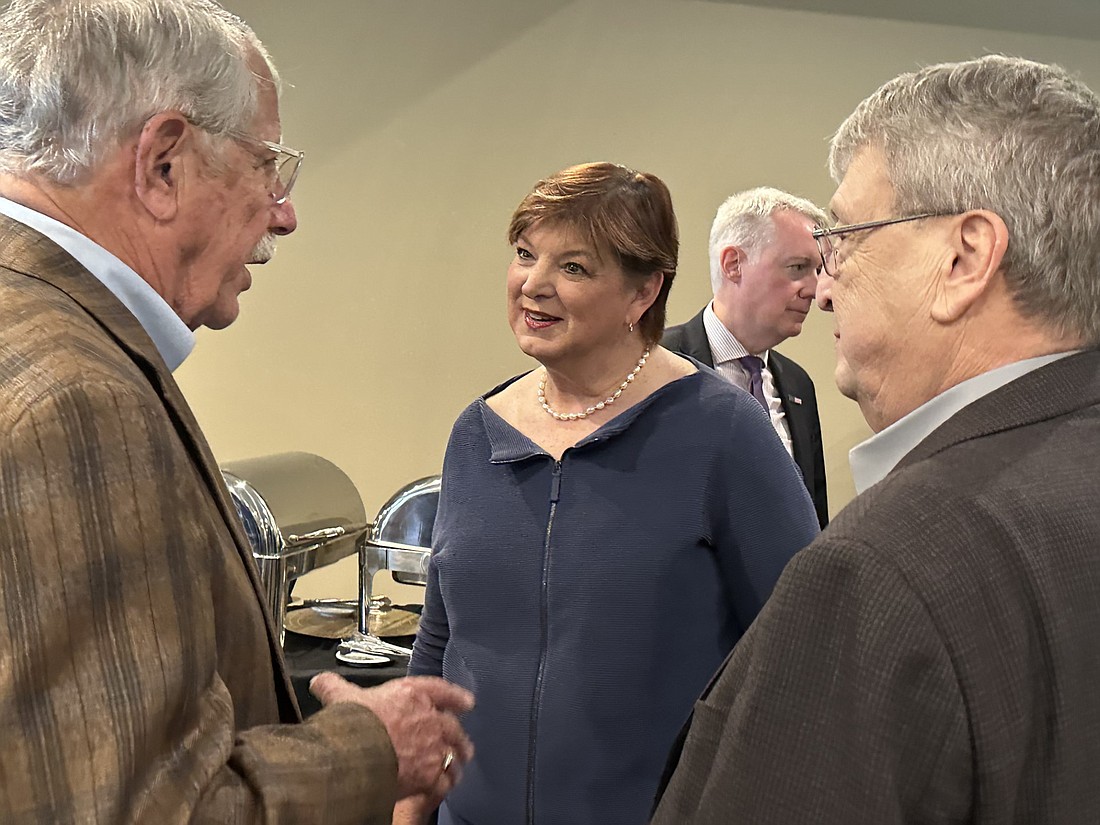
(1019, 138)
(745, 220)
(77, 77)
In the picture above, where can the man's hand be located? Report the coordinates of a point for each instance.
(413, 810)
(420, 715)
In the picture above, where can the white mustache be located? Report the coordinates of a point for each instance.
(264, 251)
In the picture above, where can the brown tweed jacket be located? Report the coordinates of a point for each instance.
(140, 676)
(934, 655)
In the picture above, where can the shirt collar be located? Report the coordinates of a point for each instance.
(173, 340)
(508, 444)
(873, 459)
(724, 347)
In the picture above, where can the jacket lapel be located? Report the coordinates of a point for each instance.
(1064, 386)
(795, 413)
(696, 343)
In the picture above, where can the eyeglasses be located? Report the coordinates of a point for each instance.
(284, 166)
(286, 163)
(829, 251)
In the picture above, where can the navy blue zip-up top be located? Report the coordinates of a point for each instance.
(586, 602)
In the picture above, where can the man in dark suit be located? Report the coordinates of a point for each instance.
(931, 657)
(763, 270)
(141, 677)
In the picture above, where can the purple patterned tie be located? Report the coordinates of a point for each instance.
(754, 366)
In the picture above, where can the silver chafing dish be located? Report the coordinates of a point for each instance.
(404, 524)
(301, 512)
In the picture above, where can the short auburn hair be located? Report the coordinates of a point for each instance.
(619, 210)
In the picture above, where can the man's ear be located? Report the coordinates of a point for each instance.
(730, 260)
(158, 166)
(979, 238)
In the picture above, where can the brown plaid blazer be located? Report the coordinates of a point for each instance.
(933, 656)
(140, 675)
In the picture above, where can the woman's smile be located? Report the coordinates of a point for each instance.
(539, 320)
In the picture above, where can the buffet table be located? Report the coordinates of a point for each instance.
(307, 656)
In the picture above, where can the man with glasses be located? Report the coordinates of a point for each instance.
(141, 679)
(931, 657)
(763, 272)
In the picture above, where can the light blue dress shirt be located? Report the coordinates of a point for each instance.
(878, 455)
(173, 340)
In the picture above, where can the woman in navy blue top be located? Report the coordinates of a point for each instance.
(609, 524)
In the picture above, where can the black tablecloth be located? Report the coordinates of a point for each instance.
(307, 656)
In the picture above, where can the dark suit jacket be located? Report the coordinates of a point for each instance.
(791, 383)
(932, 656)
(141, 679)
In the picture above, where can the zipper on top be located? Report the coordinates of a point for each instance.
(544, 631)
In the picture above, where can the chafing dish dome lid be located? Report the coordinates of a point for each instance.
(408, 517)
(285, 498)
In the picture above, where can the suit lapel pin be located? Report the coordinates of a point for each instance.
(794, 399)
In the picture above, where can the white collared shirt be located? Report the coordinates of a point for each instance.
(878, 455)
(173, 340)
(725, 349)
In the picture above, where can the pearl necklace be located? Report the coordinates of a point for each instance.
(605, 403)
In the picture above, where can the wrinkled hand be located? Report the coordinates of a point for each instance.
(420, 716)
(413, 810)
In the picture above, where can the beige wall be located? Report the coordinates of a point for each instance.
(425, 121)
